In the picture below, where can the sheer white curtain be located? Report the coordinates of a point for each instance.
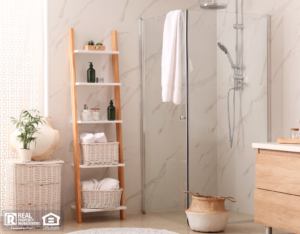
(21, 67)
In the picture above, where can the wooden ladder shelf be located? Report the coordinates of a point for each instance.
(118, 122)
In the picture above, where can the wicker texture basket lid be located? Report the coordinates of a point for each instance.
(208, 204)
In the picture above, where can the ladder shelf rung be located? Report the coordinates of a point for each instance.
(97, 84)
(95, 52)
(90, 210)
(99, 122)
(100, 166)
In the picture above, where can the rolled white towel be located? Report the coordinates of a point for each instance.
(100, 183)
(100, 137)
(87, 138)
(108, 184)
(95, 184)
(87, 185)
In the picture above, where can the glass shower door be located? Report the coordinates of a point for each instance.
(212, 168)
(164, 131)
(215, 168)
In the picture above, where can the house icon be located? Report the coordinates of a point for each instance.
(51, 220)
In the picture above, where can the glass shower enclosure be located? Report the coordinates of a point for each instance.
(186, 146)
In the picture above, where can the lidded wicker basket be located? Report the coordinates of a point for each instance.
(33, 187)
(208, 204)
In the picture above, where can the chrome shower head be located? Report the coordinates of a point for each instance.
(223, 48)
(213, 6)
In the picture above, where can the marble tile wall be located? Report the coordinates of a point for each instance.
(203, 102)
(284, 54)
(94, 19)
(236, 165)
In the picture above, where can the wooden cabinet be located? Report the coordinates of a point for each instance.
(277, 192)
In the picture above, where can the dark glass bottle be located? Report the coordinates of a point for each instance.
(111, 111)
(91, 74)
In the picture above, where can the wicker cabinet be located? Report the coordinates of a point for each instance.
(33, 187)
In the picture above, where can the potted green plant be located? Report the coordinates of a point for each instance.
(27, 126)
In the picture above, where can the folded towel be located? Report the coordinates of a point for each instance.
(95, 183)
(100, 183)
(87, 138)
(88, 185)
(103, 185)
(100, 137)
(108, 184)
(172, 52)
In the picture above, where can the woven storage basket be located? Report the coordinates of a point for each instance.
(99, 153)
(208, 204)
(34, 187)
(100, 199)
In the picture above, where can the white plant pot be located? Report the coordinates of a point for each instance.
(25, 155)
(202, 222)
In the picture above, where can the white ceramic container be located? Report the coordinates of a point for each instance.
(85, 115)
(203, 222)
(25, 155)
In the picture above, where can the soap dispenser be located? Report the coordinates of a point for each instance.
(91, 74)
(85, 114)
(111, 112)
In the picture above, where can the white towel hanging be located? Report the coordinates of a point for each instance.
(172, 52)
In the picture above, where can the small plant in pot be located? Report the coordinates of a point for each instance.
(27, 125)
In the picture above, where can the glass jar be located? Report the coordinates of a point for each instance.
(95, 113)
(295, 133)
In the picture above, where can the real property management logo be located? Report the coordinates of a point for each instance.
(10, 218)
(25, 219)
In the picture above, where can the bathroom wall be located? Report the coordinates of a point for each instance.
(236, 165)
(284, 41)
(203, 101)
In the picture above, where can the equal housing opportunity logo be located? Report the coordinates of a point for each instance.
(51, 220)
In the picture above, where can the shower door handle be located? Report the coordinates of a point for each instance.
(182, 117)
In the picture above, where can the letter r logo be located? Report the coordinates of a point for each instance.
(10, 218)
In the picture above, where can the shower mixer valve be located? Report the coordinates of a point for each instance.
(238, 84)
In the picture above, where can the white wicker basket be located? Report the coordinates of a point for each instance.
(100, 199)
(99, 153)
(34, 187)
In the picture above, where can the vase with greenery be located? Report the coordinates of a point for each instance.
(27, 126)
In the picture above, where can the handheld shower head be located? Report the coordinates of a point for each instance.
(223, 48)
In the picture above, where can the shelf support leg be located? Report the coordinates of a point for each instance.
(115, 60)
(75, 127)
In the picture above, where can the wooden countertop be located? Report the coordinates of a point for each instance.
(276, 146)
